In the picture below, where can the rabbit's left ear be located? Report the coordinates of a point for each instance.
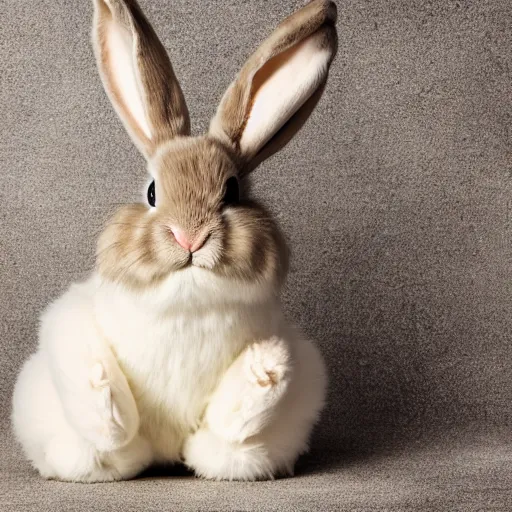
(279, 85)
(137, 75)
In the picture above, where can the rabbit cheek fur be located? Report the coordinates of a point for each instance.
(176, 348)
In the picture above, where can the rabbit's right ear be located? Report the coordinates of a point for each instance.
(137, 75)
(279, 85)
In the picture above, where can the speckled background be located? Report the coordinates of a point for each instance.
(396, 198)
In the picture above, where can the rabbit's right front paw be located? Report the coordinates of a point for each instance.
(116, 408)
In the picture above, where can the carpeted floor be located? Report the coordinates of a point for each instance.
(396, 198)
(446, 476)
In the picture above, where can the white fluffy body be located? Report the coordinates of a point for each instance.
(198, 370)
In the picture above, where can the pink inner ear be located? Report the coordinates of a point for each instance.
(281, 87)
(123, 76)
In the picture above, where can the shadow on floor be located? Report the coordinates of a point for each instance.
(308, 464)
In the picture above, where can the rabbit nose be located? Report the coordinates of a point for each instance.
(181, 237)
(191, 244)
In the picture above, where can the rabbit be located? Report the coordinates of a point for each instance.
(176, 349)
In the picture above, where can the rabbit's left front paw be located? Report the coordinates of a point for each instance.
(267, 363)
(246, 398)
(266, 367)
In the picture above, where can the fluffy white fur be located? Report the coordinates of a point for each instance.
(199, 369)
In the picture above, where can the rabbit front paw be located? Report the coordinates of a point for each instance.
(119, 418)
(246, 399)
(267, 363)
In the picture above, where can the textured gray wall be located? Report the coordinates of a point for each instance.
(396, 196)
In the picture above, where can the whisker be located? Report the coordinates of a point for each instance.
(118, 276)
(126, 224)
(125, 270)
(108, 248)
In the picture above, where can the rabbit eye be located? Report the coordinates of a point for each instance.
(231, 191)
(151, 194)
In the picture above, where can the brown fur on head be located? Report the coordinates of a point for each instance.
(193, 222)
(190, 174)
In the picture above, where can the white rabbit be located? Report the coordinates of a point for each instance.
(176, 348)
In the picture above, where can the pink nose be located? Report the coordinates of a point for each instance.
(181, 237)
(188, 243)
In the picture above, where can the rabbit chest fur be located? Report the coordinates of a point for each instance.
(174, 356)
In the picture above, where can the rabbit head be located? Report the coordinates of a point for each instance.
(194, 215)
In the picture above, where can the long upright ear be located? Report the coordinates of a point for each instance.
(279, 85)
(137, 75)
